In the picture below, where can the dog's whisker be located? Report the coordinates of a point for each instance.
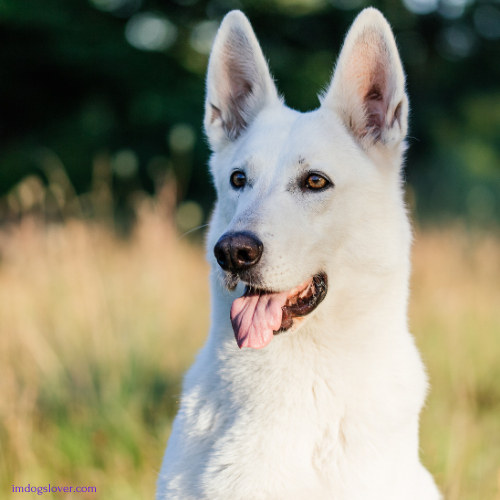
(191, 231)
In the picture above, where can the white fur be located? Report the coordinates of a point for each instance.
(330, 409)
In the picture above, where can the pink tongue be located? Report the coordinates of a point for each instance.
(255, 317)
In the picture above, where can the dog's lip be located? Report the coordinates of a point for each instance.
(315, 289)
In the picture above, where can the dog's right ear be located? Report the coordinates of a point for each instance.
(239, 84)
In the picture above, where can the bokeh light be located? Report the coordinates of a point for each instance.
(203, 35)
(453, 9)
(125, 163)
(150, 31)
(456, 42)
(421, 6)
(487, 22)
(189, 215)
(181, 138)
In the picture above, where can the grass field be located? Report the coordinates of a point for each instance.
(96, 331)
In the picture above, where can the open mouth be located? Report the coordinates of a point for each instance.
(259, 314)
(303, 300)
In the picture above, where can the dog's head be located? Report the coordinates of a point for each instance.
(303, 199)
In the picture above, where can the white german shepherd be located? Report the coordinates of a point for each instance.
(310, 385)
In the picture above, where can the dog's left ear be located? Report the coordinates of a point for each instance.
(368, 86)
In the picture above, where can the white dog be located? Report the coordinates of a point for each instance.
(310, 385)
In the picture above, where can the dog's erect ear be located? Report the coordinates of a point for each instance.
(368, 86)
(238, 81)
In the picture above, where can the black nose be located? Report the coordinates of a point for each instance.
(238, 251)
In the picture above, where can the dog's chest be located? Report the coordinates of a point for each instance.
(288, 424)
(273, 431)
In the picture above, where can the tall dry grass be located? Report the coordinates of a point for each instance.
(455, 316)
(96, 331)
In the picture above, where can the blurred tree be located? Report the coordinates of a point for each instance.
(124, 79)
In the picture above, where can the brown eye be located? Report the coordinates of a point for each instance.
(316, 181)
(238, 179)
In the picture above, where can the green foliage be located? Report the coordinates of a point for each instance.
(71, 82)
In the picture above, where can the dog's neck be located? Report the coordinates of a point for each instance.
(377, 302)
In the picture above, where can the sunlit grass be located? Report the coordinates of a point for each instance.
(95, 334)
(455, 316)
(96, 331)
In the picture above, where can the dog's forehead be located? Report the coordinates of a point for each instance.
(269, 134)
(287, 137)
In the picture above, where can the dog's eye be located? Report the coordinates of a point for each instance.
(238, 179)
(316, 182)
